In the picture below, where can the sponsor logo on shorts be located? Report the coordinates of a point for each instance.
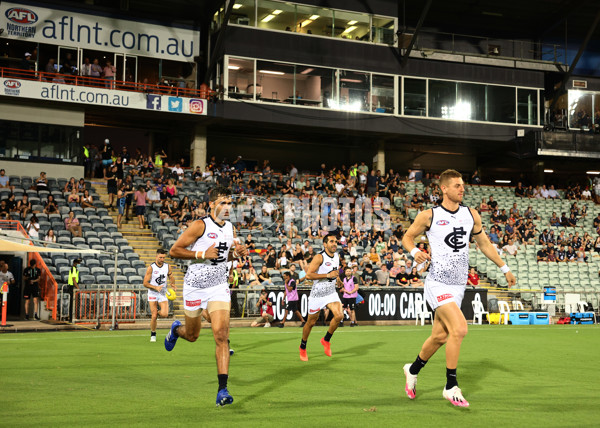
(152, 298)
(313, 311)
(212, 235)
(442, 222)
(444, 297)
(193, 303)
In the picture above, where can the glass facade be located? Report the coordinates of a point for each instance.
(584, 109)
(311, 20)
(360, 91)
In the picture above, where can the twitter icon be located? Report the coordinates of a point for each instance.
(175, 104)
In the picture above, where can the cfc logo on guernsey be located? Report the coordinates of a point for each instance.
(454, 239)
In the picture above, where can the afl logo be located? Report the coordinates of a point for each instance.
(12, 84)
(327, 263)
(442, 222)
(21, 15)
(212, 235)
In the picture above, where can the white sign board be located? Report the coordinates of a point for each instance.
(79, 30)
(50, 91)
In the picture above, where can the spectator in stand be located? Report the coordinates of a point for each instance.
(415, 278)
(50, 206)
(564, 220)
(197, 175)
(561, 254)
(33, 227)
(177, 172)
(50, 237)
(106, 154)
(552, 193)
(374, 257)
(171, 189)
(263, 276)
(473, 278)
(41, 183)
(109, 71)
(112, 184)
(4, 210)
(86, 68)
(483, 206)
(73, 199)
(383, 276)
(266, 311)
(403, 278)
(368, 277)
(120, 207)
(572, 220)
(554, 220)
(511, 248)
(475, 178)
(26, 62)
(5, 180)
(153, 196)
(140, 204)
(72, 224)
(96, 70)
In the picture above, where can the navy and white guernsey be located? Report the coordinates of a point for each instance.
(325, 287)
(449, 236)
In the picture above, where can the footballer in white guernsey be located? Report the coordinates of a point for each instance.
(155, 281)
(323, 270)
(207, 242)
(449, 228)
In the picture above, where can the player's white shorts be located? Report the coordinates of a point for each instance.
(315, 304)
(155, 296)
(438, 294)
(198, 298)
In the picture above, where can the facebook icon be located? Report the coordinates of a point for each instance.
(153, 102)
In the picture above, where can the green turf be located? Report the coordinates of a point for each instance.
(512, 376)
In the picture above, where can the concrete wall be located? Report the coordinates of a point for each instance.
(33, 169)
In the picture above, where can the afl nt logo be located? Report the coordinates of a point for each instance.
(454, 239)
(21, 15)
(442, 222)
(212, 235)
(12, 84)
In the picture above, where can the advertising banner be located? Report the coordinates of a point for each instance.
(51, 91)
(80, 30)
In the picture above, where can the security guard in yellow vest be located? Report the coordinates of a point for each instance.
(73, 282)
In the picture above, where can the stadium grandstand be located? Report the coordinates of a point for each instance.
(118, 118)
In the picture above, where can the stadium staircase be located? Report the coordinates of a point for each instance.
(145, 244)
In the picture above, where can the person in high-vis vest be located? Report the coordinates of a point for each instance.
(158, 159)
(73, 282)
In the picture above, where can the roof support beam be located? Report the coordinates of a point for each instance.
(417, 30)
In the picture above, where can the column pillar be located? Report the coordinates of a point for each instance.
(198, 151)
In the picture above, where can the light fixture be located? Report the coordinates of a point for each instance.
(351, 80)
(314, 17)
(267, 18)
(279, 73)
(349, 29)
(305, 23)
(352, 22)
(237, 6)
(593, 172)
(549, 171)
(233, 67)
(276, 12)
(502, 181)
(307, 70)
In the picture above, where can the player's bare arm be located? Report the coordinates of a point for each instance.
(311, 272)
(172, 278)
(188, 237)
(147, 279)
(419, 226)
(487, 248)
(240, 250)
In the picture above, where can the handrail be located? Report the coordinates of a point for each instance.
(98, 82)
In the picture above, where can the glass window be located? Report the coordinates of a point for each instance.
(527, 108)
(275, 81)
(351, 25)
(383, 94)
(315, 86)
(274, 15)
(442, 100)
(500, 104)
(314, 20)
(354, 92)
(383, 30)
(241, 78)
(597, 110)
(471, 102)
(415, 98)
(242, 13)
(580, 109)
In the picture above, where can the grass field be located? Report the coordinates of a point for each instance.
(513, 376)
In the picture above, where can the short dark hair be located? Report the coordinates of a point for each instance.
(369, 265)
(326, 238)
(219, 191)
(32, 262)
(161, 251)
(287, 273)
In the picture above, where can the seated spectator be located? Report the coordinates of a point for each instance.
(597, 222)
(552, 193)
(50, 237)
(263, 276)
(511, 248)
(4, 181)
(571, 255)
(266, 310)
(564, 221)
(415, 278)
(177, 171)
(72, 224)
(50, 206)
(554, 220)
(250, 244)
(270, 259)
(403, 278)
(586, 194)
(368, 277)
(24, 206)
(572, 221)
(542, 255)
(171, 189)
(483, 206)
(473, 278)
(4, 211)
(87, 201)
(561, 254)
(73, 199)
(252, 277)
(153, 196)
(41, 183)
(374, 257)
(70, 185)
(33, 228)
(383, 276)
(520, 190)
(11, 204)
(492, 204)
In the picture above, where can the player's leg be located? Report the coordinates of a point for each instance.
(456, 324)
(310, 323)
(36, 301)
(26, 307)
(300, 317)
(282, 322)
(338, 316)
(219, 313)
(191, 329)
(154, 314)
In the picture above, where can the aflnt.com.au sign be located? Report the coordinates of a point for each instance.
(78, 30)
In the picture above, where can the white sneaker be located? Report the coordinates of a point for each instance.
(454, 395)
(411, 382)
(152, 338)
(267, 325)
